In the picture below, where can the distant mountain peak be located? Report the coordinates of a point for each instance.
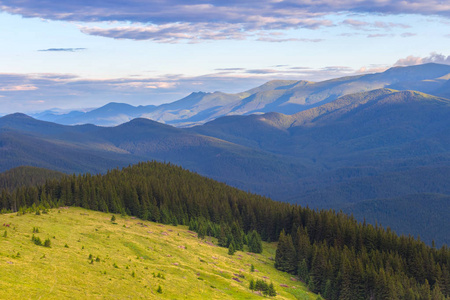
(117, 104)
(17, 116)
(199, 93)
(433, 70)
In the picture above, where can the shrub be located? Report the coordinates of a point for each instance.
(47, 243)
(159, 290)
(36, 240)
(261, 285)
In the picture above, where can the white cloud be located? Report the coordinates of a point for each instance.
(416, 60)
(196, 20)
(18, 88)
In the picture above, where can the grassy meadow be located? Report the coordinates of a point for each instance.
(91, 257)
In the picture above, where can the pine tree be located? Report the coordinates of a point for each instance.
(255, 243)
(303, 245)
(231, 249)
(285, 255)
(424, 291)
(311, 285)
(222, 240)
(436, 293)
(327, 292)
(252, 284)
(201, 230)
(271, 290)
(302, 272)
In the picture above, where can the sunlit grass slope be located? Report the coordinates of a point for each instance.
(92, 257)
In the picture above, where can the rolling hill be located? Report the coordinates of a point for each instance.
(89, 148)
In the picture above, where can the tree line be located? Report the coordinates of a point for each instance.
(332, 252)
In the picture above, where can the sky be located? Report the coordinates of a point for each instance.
(67, 54)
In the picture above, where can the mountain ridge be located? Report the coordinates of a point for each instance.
(283, 96)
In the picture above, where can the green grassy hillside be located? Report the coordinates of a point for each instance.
(92, 257)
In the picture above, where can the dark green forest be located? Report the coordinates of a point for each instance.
(334, 254)
(26, 176)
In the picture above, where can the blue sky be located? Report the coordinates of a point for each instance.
(82, 54)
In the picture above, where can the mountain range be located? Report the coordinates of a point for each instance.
(378, 147)
(282, 96)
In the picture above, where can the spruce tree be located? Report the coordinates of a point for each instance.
(285, 256)
(252, 284)
(231, 249)
(303, 273)
(222, 240)
(327, 292)
(254, 242)
(271, 290)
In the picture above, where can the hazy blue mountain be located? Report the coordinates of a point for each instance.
(108, 115)
(55, 115)
(282, 96)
